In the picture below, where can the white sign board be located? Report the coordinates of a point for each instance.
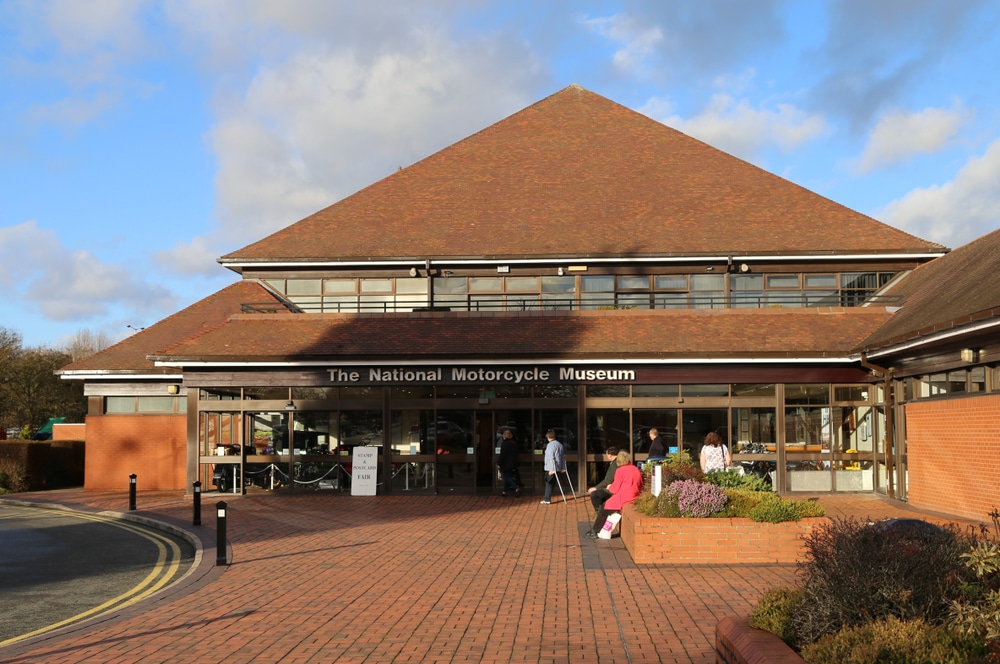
(364, 471)
(657, 479)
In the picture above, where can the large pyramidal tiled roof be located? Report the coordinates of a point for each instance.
(577, 174)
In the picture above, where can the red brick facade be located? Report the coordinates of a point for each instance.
(953, 455)
(714, 541)
(154, 447)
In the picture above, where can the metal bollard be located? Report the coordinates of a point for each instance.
(220, 531)
(196, 501)
(131, 491)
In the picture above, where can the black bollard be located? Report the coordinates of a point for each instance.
(220, 531)
(196, 501)
(131, 491)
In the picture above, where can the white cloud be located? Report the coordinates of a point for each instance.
(899, 135)
(955, 212)
(35, 267)
(322, 124)
(637, 41)
(742, 130)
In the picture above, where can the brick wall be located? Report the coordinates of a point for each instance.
(713, 541)
(953, 455)
(69, 431)
(154, 447)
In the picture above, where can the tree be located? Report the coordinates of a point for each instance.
(85, 343)
(30, 390)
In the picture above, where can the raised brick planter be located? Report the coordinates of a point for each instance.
(713, 541)
(736, 642)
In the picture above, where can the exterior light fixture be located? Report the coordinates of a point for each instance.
(173, 389)
(560, 272)
(290, 406)
(744, 267)
(413, 271)
(969, 355)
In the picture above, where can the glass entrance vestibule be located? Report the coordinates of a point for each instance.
(803, 437)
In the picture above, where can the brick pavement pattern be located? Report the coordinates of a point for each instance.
(335, 578)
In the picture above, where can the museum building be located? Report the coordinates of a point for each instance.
(576, 266)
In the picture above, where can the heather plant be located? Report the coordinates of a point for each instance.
(696, 499)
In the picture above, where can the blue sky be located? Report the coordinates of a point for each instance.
(141, 140)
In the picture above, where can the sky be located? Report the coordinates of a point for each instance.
(140, 140)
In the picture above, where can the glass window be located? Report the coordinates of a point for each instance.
(706, 282)
(754, 432)
(670, 300)
(753, 390)
(449, 285)
(633, 300)
(807, 394)
(553, 301)
(277, 284)
(376, 303)
(678, 282)
(529, 284)
(956, 381)
(558, 284)
(851, 393)
(265, 393)
(705, 390)
(784, 299)
(415, 286)
(933, 385)
(807, 429)
(303, 287)
(314, 393)
(821, 281)
(376, 285)
(308, 303)
(821, 298)
(339, 286)
(782, 281)
(656, 390)
(597, 283)
(156, 404)
(340, 304)
(746, 282)
(486, 302)
(977, 379)
(119, 405)
(663, 420)
(607, 390)
(633, 282)
(220, 394)
(485, 284)
(522, 302)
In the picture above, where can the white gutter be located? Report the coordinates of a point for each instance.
(408, 363)
(933, 338)
(111, 374)
(574, 260)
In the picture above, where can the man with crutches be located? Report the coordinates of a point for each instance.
(555, 463)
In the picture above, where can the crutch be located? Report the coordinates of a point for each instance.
(572, 490)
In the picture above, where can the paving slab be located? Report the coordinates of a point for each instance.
(323, 577)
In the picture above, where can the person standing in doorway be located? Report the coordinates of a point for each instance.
(555, 462)
(507, 464)
(599, 493)
(657, 448)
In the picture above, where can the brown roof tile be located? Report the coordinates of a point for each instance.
(957, 288)
(130, 354)
(577, 174)
(721, 333)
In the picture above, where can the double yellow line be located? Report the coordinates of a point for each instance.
(168, 562)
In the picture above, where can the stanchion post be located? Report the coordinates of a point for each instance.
(196, 501)
(220, 531)
(131, 491)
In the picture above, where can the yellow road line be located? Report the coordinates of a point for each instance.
(167, 549)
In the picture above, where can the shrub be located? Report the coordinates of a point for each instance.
(856, 572)
(697, 499)
(774, 611)
(13, 476)
(671, 471)
(896, 641)
(734, 479)
(977, 611)
(774, 511)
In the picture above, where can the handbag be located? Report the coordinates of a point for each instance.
(610, 526)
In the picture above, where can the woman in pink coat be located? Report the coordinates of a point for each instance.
(624, 489)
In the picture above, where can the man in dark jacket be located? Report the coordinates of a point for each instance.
(507, 464)
(657, 448)
(599, 493)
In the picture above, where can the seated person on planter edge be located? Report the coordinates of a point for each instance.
(624, 490)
